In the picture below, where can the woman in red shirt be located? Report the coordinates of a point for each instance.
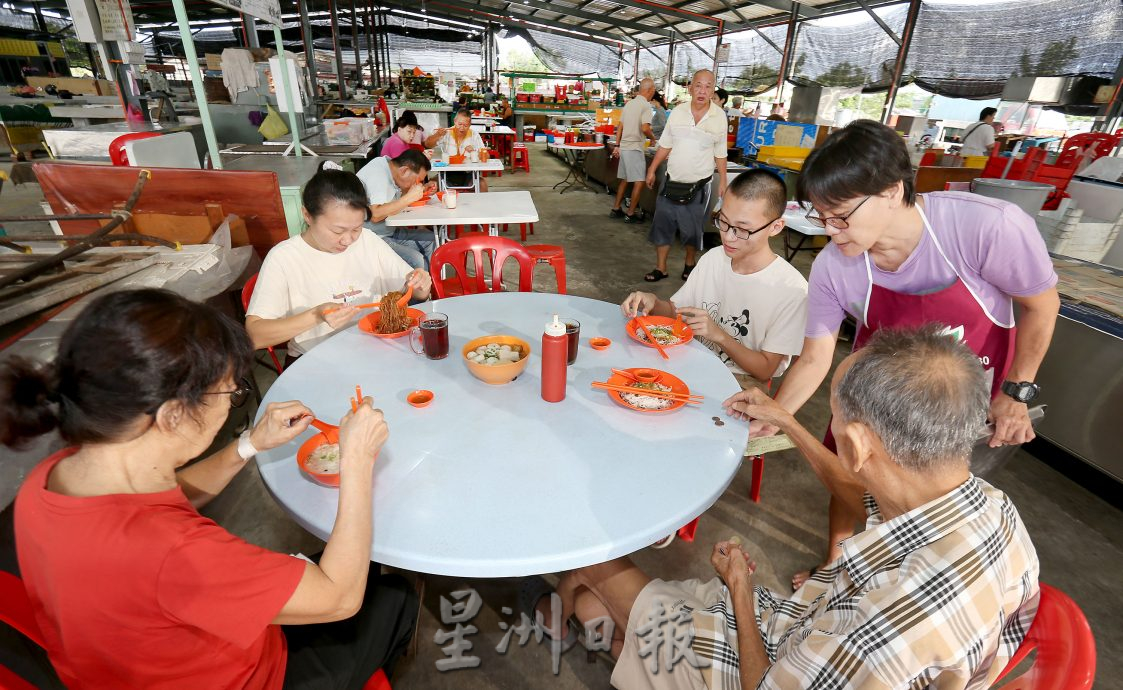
(131, 586)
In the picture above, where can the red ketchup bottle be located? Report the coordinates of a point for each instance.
(555, 352)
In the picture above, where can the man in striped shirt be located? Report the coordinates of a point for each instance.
(938, 591)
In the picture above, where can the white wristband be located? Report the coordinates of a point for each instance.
(246, 449)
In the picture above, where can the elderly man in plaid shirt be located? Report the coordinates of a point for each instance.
(938, 591)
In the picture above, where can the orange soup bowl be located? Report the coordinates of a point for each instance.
(497, 374)
(305, 452)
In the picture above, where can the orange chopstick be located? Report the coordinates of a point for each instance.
(668, 395)
(651, 336)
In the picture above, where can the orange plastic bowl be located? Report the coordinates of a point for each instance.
(420, 398)
(369, 323)
(497, 374)
(599, 343)
(680, 329)
(456, 160)
(420, 202)
(302, 455)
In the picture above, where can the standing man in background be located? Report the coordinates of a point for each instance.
(693, 144)
(634, 127)
(979, 137)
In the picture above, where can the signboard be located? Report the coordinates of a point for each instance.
(723, 53)
(116, 19)
(265, 10)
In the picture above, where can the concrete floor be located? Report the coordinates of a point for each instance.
(1077, 525)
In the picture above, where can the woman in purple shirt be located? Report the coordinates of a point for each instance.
(898, 259)
(404, 131)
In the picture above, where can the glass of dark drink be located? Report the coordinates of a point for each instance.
(434, 335)
(573, 334)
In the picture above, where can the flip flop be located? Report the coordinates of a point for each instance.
(686, 269)
(655, 276)
(531, 592)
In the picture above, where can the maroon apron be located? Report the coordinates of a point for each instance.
(956, 307)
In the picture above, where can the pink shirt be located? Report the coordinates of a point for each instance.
(394, 146)
(994, 246)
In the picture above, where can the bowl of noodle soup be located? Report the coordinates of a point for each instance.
(391, 320)
(319, 460)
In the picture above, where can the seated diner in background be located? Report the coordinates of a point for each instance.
(130, 585)
(308, 282)
(405, 133)
(938, 591)
(458, 140)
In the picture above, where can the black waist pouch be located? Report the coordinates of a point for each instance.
(682, 192)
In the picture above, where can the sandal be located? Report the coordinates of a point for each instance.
(655, 276)
(686, 269)
(530, 593)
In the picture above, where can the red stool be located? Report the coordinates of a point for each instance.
(520, 157)
(552, 255)
(522, 229)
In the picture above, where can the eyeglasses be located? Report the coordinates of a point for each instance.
(740, 233)
(836, 222)
(237, 397)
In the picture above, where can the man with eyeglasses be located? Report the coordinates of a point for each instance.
(743, 302)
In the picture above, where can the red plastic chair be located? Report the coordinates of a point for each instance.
(378, 681)
(1066, 649)
(247, 293)
(15, 610)
(1101, 144)
(476, 246)
(117, 147)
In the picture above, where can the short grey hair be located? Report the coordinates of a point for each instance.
(922, 392)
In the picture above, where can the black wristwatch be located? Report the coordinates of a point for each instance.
(1024, 391)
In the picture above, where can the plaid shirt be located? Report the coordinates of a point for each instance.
(938, 597)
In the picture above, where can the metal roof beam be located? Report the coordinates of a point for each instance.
(577, 12)
(536, 24)
(880, 22)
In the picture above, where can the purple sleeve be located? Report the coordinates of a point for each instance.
(1011, 254)
(824, 306)
(394, 147)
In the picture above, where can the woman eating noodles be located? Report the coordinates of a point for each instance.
(131, 586)
(308, 283)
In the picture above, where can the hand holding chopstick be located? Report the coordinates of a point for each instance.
(647, 329)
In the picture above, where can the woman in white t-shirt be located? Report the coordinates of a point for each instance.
(307, 282)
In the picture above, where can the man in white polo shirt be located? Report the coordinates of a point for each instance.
(635, 126)
(693, 144)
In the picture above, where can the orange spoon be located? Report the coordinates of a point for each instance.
(331, 431)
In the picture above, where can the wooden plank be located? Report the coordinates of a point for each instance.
(44, 291)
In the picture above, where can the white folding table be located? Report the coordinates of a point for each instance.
(491, 209)
(492, 165)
